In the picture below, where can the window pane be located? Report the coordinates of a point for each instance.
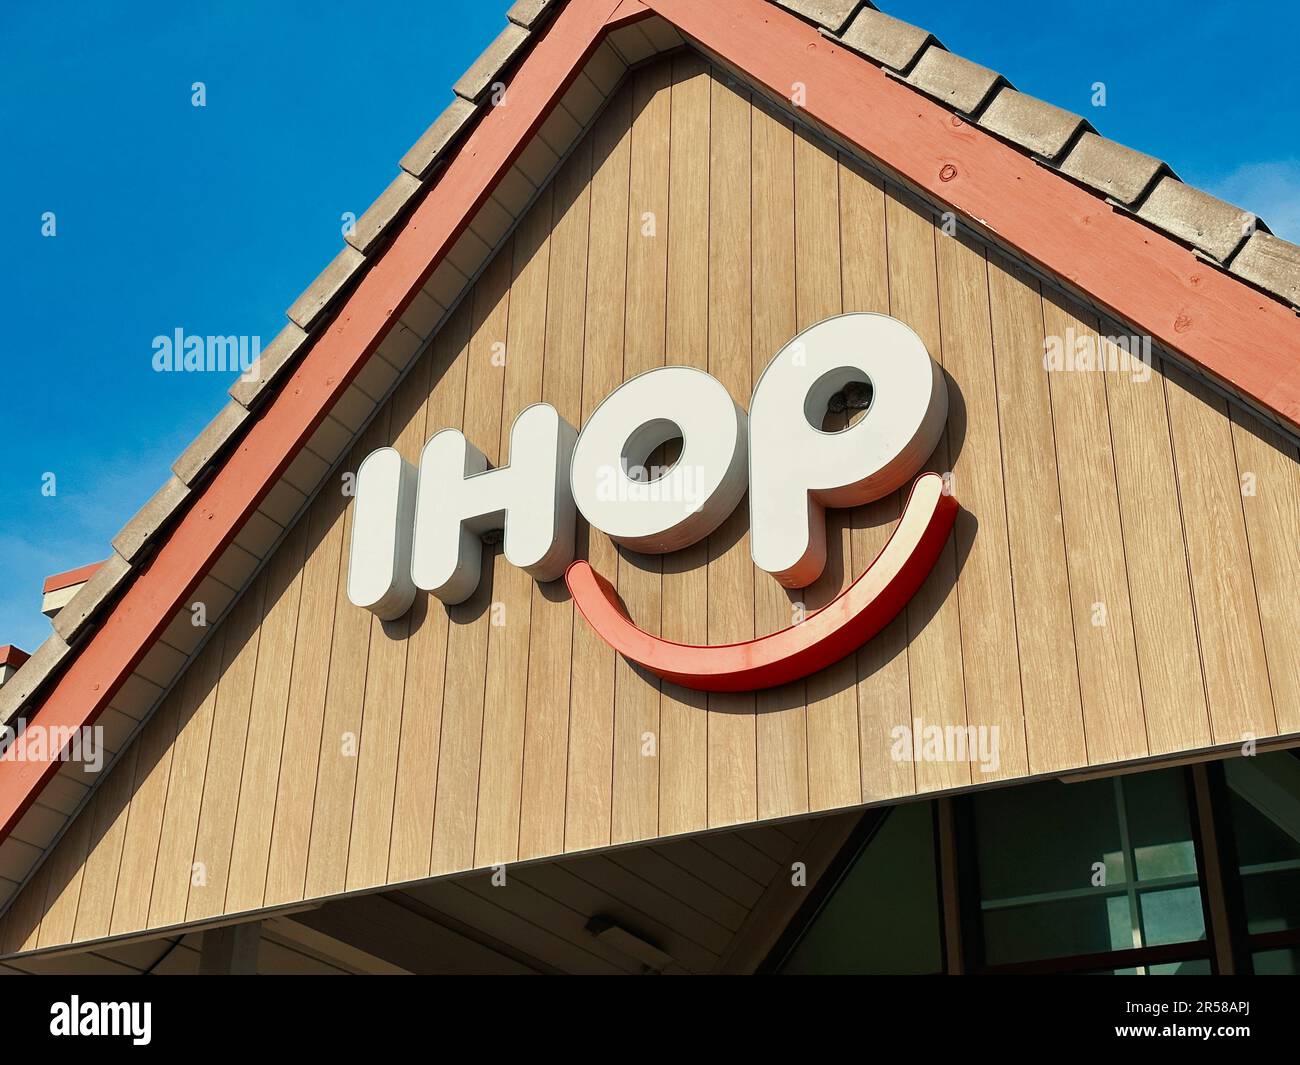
(1264, 798)
(883, 916)
(1272, 900)
(1172, 916)
(1277, 962)
(1159, 824)
(1045, 838)
(1056, 929)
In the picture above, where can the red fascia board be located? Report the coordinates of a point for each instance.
(12, 656)
(80, 575)
(251, 471)
(1245, 339)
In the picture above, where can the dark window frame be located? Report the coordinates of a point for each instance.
(1219, 882)
(972, 925)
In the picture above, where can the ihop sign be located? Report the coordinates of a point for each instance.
(420, 529)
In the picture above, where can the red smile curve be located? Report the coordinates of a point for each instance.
(842, 626)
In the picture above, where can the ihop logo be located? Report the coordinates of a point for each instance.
(420, 529)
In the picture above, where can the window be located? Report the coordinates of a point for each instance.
(1071, 876)
(1108, 876)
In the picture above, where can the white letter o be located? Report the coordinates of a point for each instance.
(697, 492)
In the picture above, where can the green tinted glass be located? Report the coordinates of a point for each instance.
(1277, 962)
(883, 915)
(1086, 868)
(1264, 797)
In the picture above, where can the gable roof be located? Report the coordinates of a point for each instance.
(1080, 201)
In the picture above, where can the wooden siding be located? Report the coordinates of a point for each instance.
(1119, 585)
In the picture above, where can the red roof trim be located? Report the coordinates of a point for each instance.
(1246, 339)
(80, 575)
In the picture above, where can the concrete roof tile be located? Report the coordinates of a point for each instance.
(887, 40)
(476, 81)
(1271, 263)
(528, 13)
(107, 579)
(1101, 164)
(952, 80)
(151, 517)
(308, 307)
(1029, 122)
(205, 447)
(390, 205)
(1196, 217)
(832, 14)
(274, 360)
(31, 675)
(419, 160)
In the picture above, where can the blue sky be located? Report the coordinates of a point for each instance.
(213, 219)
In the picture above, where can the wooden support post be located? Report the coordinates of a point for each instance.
(950, 899)
(231, 950)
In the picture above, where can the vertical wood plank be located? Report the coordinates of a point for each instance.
(144, 822)
(933, 615)
(1268, 468)
(109, 808)
(501, 318)
(884, 698)
(1169, 657)
(1223, 589)
(1104, 639)
(224, 772)
(300, 755)
(989, 658)
(67, 867)
(560, 319)
(253, 821)
(834, 770)
(381, 714)
(461, 751)
(174, 868)
(590, 777)
(336, 771)
(426, 656)
(550, 651)
(508, 669)
(21, 927)
(1049, 678)
(733, 784)
(640, 581)
(683, 723)
(781, 721)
